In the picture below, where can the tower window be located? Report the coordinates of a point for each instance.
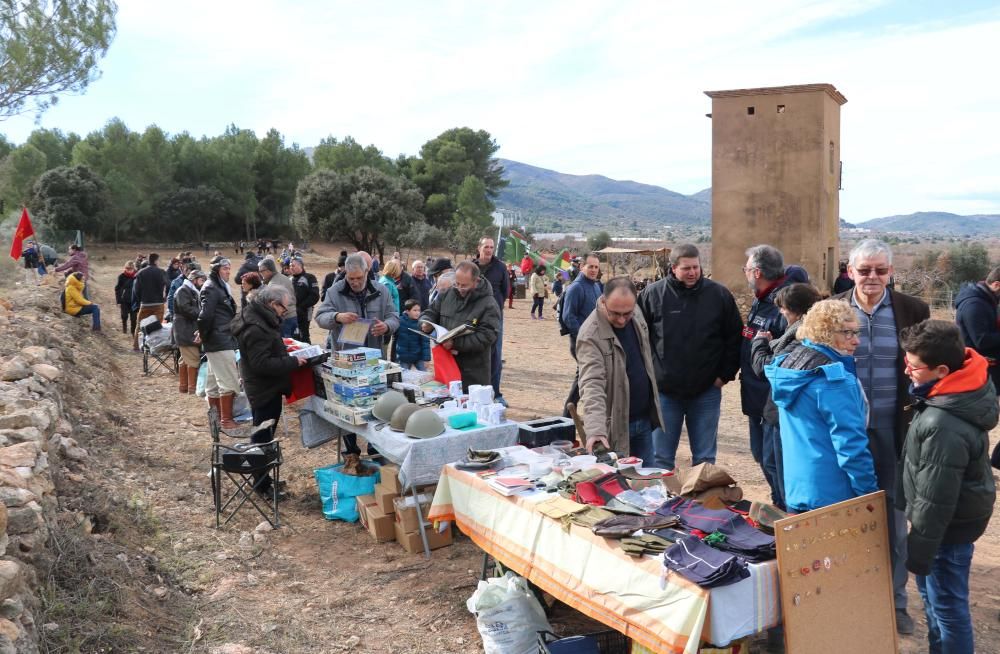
(750, 111)
(781, 108)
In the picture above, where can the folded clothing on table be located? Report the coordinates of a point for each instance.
(621, 526)
(694, 515)
(740, 538)
(704, 565)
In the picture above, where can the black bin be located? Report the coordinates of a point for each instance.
(542, 431)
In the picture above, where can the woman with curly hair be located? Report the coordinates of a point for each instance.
(822, 411)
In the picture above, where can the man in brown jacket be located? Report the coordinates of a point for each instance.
(617, 383)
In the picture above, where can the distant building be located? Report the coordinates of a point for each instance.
(776, 178)
(558, 236)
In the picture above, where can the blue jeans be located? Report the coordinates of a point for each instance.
(945, 592)
(640, 439)
(288, 326)
(701, 414)
(496, 359)
(774, 469)
(416, 365)
(94, 311)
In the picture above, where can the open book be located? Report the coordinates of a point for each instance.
(440, 334)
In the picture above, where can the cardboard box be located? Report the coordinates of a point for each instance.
(406, 511)
(384, 497)
(390, 478)
(378, 524)
(411, 541)
(350, 414)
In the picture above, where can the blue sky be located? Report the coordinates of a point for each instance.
(581, 87)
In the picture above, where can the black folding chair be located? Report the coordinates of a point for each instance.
(241, 463)
(161, 357)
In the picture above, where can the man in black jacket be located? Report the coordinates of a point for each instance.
(976, 315)
(306, 296)
(765, 273)
(264, 362)
(694, 330)
(149, 290)
(493, 271)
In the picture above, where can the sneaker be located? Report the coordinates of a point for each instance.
(904, 623)
(499, 400)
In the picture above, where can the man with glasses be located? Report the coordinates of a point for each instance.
(765, 273)
(882, 313)
(617, 385)
(468, 302)
(694, 326)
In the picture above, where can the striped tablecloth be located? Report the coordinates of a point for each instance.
(595, 576)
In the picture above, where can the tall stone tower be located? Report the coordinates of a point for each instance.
(776, 178)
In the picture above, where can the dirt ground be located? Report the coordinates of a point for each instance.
(319, 586)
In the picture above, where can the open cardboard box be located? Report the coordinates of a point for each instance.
(406, 510)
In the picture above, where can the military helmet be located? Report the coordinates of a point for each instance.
(401, 415)
(386, 404)
(424, 423)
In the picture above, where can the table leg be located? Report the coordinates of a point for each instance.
(420, 523)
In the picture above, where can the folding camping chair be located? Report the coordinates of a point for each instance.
(158, 349)
(239, 463)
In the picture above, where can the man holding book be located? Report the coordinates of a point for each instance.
(469, 302)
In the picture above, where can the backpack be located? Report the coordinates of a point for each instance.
(563, 327)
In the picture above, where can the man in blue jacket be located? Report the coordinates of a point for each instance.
(976, 315)
(577, 305)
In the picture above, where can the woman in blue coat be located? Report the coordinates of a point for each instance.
(822, 411)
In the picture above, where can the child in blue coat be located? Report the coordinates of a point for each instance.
(412, 350)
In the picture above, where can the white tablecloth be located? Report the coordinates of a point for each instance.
(420, 460)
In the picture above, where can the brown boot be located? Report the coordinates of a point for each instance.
(182, 378)
(213, 403)
(226, 414)
(192, 380)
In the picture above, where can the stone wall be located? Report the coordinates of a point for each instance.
(36, 445)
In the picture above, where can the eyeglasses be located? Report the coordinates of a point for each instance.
(284, 307)
(865, 272)
(912, 368)
(849, 333)
(747, 269)
(622, 315)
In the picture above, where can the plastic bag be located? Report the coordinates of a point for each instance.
(508, 615)
(445, 367)
(202, 379)
(338, 490)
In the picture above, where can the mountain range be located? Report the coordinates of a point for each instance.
(554, 201)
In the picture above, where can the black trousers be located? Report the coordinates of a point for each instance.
(128, 316)
(261, 414)
(574, 390)
(304, 327)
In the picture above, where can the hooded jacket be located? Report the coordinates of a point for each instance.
(694, 333)
(186, 309)
(410, 347)
(604, 384)
(74, 296)
(478, 309)
(976, 315)
(374, 303)
(823, 416)
(948, 487)
(218, 308)
(264, 362)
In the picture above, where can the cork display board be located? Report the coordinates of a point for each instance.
(836, 580)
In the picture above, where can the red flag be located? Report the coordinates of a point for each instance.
(24, 230)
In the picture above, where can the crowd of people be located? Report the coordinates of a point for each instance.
(844, 396)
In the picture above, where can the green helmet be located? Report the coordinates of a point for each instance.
(424, 423)
(386, 404)
(400, 416)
